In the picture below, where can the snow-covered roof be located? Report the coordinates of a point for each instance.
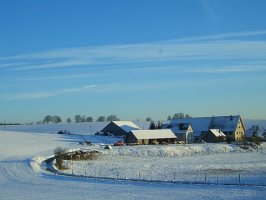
(127, 125)
(180, 129)
(200, 124)
(153, 134)
(177, 130)
(217, 132)
(225, 123)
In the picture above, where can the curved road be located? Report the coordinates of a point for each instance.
(18, 180)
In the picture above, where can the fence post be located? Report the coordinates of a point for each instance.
(217, 178)
(205, 176)
(139, 175)
(239, 178)
(174, 176)
(117, 174)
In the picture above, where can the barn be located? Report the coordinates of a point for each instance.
(157, 136)
(119, 128)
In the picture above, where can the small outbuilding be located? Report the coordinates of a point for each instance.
(157, 136)
(214, 135)
(183, 131)
(119, 128)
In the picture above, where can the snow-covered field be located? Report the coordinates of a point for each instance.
(22, 178)
(220, 163)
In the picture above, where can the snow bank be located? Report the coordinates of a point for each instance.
(36, 163)
(175, 150)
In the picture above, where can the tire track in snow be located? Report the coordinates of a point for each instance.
(17, 172)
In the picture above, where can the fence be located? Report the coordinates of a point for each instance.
(219, 176)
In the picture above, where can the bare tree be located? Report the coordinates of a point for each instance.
(56, 119)
(69, 120)
(47, 119)
(101, 119)
(89, 119)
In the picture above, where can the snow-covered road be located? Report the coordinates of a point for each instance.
(19, 181)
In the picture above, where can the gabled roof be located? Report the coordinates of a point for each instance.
(217, 132)
(126, 125)
(153, 134)
(200, 124)
(181, 128)
(225, 123)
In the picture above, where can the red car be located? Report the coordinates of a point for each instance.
(119, 143)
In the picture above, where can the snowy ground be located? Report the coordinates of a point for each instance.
(218, 163)
(21, 178)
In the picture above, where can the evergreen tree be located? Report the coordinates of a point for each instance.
(152, 125)
(159, 125)
(148, 119)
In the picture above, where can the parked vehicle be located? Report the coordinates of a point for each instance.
(63, 132)
(104, 133)
(85, 143)
(88, 142)
(119, 143)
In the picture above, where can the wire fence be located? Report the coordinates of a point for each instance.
(112, 170)
(213, 176)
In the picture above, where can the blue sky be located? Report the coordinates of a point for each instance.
(132, 58)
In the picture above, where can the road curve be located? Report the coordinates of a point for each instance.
(19, 181)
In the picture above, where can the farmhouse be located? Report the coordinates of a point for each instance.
(232, 126)
(183, 131)
(120, 128)
(157, 136)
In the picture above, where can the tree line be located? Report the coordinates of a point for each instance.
(175, 116)
(159, 124)
(55, 119)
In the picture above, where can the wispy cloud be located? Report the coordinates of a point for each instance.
(228, 46)
(40, 95)
(227, 69)
(56, 77)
